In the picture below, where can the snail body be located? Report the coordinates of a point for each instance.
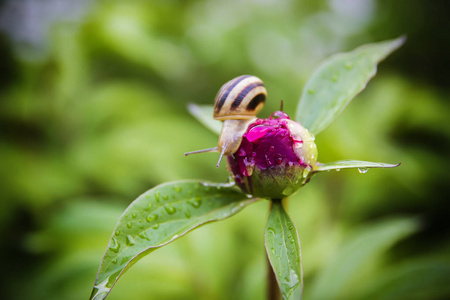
(236, 104)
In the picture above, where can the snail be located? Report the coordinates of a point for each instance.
(236, 104)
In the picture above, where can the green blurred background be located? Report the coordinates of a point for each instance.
(93, 113)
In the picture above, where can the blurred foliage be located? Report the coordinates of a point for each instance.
(94, 113)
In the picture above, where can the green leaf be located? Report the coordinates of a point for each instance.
(340, 276)
(337, 81)
(283, 250)
(362, 166)
(427, 276)
(204, 113)
(160, 216)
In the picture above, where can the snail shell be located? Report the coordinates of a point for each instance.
(236, 104)
(240, 98)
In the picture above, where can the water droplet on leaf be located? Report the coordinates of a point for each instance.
(114, 261)
(157, 196)
(196, 202)
(271, 230)
(130, 240)
(187, 213)
(156, 226)
(144, 236)
(363, 170)
(335, 77)
(170, 209)
(151, 218)
(114, 245)
(177, 189)
(129, 225)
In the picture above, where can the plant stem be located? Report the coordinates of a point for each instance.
(273, 290)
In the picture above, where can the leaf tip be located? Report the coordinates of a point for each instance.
(400, 41)
(192, 107)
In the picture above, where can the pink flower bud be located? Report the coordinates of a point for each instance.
(275, 158)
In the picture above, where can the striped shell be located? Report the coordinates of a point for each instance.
(240, 98)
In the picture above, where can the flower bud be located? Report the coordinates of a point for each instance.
(276, 157)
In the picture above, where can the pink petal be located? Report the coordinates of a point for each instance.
(256, 133)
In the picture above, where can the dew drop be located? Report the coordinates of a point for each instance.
(279, 159)
(363, 170)
(165, 197)
(157, 196)
(177, 189)
(149, 206)
(114, 261)
(187, 213)
(114, 245)
(144, 236)
(169, 209)
(335, 77)
(306, 172)
(126, 216)
(129, 225)
(130, 240)
(134, 215)
(196, 202)
(311, 91)
(337, 170)
(348, 65)
(156, 226)
(117, 232)
(151, 218)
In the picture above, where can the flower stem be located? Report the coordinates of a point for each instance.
(273, 290)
